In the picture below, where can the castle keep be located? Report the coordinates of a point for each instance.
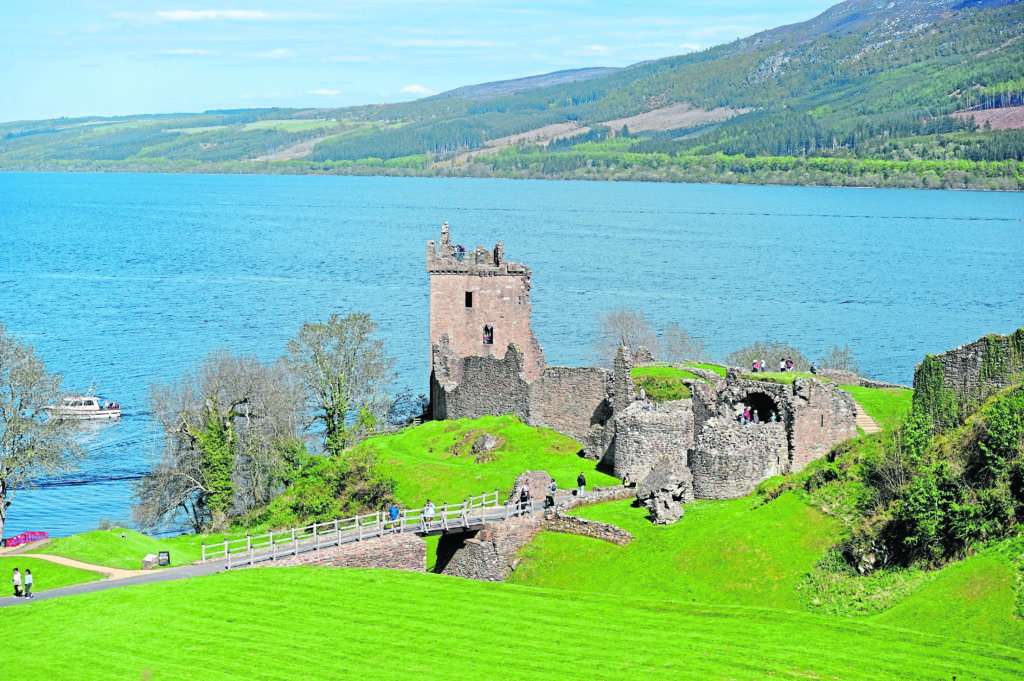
(481, 302)
(473, 374)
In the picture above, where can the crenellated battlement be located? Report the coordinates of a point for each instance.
(446, 258)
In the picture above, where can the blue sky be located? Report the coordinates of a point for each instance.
(114, 57)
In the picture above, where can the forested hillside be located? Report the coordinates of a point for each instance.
(869, 93)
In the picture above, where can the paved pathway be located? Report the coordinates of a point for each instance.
(127, 578)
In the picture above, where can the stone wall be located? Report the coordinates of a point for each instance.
(978, 370)
(540, 486)
(573, 401)
(489, 554)
(728, 459)
(568, 524)
(403, 551)
(823, 415)
(487, 385)
(479, 288)
(598, 495)
(644, 437)
(570, 401)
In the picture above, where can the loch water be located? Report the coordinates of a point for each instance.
(120, 280)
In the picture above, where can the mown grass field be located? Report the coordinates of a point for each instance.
(47, 575)
(719, 552)
(434, 460)
(322, 623)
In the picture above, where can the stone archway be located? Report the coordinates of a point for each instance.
(763, 405)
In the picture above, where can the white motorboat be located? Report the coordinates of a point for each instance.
(84, 407)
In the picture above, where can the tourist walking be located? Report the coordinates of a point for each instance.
(814, 369)
(393, 512)
(581, 483)
(428, 512)
(754, 366)
(550, 501)
(28, 583)
(16, 581)
(789, 365)
(782, 365)
(524, 497)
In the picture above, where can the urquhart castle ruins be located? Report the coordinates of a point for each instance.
(485, 360)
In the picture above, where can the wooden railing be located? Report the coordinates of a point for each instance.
(273, 545)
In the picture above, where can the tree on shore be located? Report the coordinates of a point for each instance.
(229, 426)
(678, 345)
(347, 375)
(623, 327)
(32, 445)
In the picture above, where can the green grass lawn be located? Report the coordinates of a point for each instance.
(783, 377)
(719, 552)
(662, 372)
(324, 623)
(885, 405)
(46, 575)
(971, 599)
(718, 369)
(106, 547)
(425, 464)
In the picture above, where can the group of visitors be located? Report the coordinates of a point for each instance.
(649, 405)
(785, 365)
(751, 416)
(16, 580)
(759, 366)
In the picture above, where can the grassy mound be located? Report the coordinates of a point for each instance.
(108, 548)
(435, 460)
(46, 575)
(720, 552)
(271, 623)
(662, 384)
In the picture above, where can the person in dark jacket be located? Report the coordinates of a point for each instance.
(581, 482)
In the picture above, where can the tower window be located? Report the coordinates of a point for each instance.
(469, 299)
(488, 335)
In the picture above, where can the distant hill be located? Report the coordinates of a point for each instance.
(869, 93)
(509, 87)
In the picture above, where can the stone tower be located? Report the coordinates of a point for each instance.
(481, 302)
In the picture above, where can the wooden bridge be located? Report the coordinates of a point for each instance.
(469, 515)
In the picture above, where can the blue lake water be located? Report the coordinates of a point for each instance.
(121, 280)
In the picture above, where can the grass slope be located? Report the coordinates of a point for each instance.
(300, 623)
(424, 462)
(971, 599)
(46, 575)
(108, 548)
(720, 552)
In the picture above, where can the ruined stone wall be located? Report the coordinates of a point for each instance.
(404, 551)
(973, 372)
(598, 495)
(823, 415)
(479, 288)
(489, 555)
(574, 402)
(642, 437)
(487, 385)
(728, 459)
(568, 524)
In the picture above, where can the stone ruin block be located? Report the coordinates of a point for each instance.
(665, 490)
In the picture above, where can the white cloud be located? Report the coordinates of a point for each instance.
(213, 15)
(322, 91)
(599, 49)
(416, 90)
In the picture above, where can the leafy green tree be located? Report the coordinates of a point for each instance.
(228, 426)
(347, 375)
